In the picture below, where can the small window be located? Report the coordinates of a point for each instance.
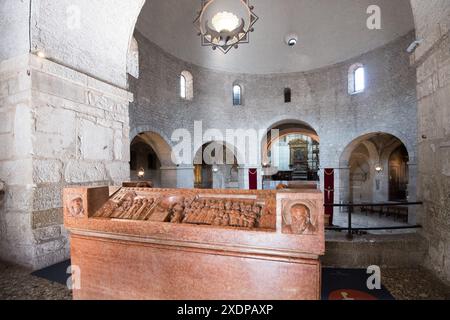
(237, 95)
(186, 85)
(356, 79)
(287, 95)
(360, 82)
(182, 87)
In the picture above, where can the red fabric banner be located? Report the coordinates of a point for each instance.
(253, 179)
(329, 193)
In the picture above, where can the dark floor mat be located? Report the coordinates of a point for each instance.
(56, 273)
(337, 284)
(350, 284)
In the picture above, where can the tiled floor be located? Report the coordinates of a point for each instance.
(404, 284)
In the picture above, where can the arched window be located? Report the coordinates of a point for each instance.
(287, 95)
(182, 87)
(356, 79)
(237, 95)
(186, 85)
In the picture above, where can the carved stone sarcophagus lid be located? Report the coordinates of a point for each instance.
(191, 207)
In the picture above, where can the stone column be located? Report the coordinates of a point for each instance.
(342, 185)
(169, 177)
(181, 177)
(412, 192)
(185, 177)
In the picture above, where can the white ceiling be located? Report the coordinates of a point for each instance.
(329, 31)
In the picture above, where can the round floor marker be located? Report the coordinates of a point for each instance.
(349, 294)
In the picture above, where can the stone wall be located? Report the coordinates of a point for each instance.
(319, 98)
(63, 31)
(14, 28)
(59, 127)
(433, 75)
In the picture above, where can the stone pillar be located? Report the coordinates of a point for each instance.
(17, 241)
(412, 192)
(181, 177)
(185, 177)
(433, 94)
(342, 185)
(243, 177)
(169, 177)
(62, 128)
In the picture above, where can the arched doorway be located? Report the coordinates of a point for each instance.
(291, 154)
(216, 167)
(143, 159)
(152, 155)
(377, 169)
(374, 168)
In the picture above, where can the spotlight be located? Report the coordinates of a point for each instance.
(141, 173)
(40, 54)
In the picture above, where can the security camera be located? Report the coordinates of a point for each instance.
(413, 46)
(291, 40)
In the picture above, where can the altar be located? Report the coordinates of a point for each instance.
(145, 243)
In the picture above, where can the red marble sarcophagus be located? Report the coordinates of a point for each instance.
(143, 243)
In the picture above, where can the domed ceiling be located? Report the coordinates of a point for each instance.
(329, 31)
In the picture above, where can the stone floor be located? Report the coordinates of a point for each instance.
(17, 283)
(404, 284)
(414, 284)
(370, 220)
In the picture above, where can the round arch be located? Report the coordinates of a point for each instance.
(378, 180)
(223, 174)
(350, 146)
(299, 160)
(229, 146)
(161, 147)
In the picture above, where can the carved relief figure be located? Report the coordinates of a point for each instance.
(177, 215)
(75, 206)
(124, 204)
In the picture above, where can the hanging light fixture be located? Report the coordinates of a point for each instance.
(224, 24)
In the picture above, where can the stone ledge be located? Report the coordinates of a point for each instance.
(393, 251)
(78, 78)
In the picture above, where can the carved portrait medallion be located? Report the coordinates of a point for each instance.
(298, 218)
(74, 206)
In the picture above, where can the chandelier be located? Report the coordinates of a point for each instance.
(224, 24)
